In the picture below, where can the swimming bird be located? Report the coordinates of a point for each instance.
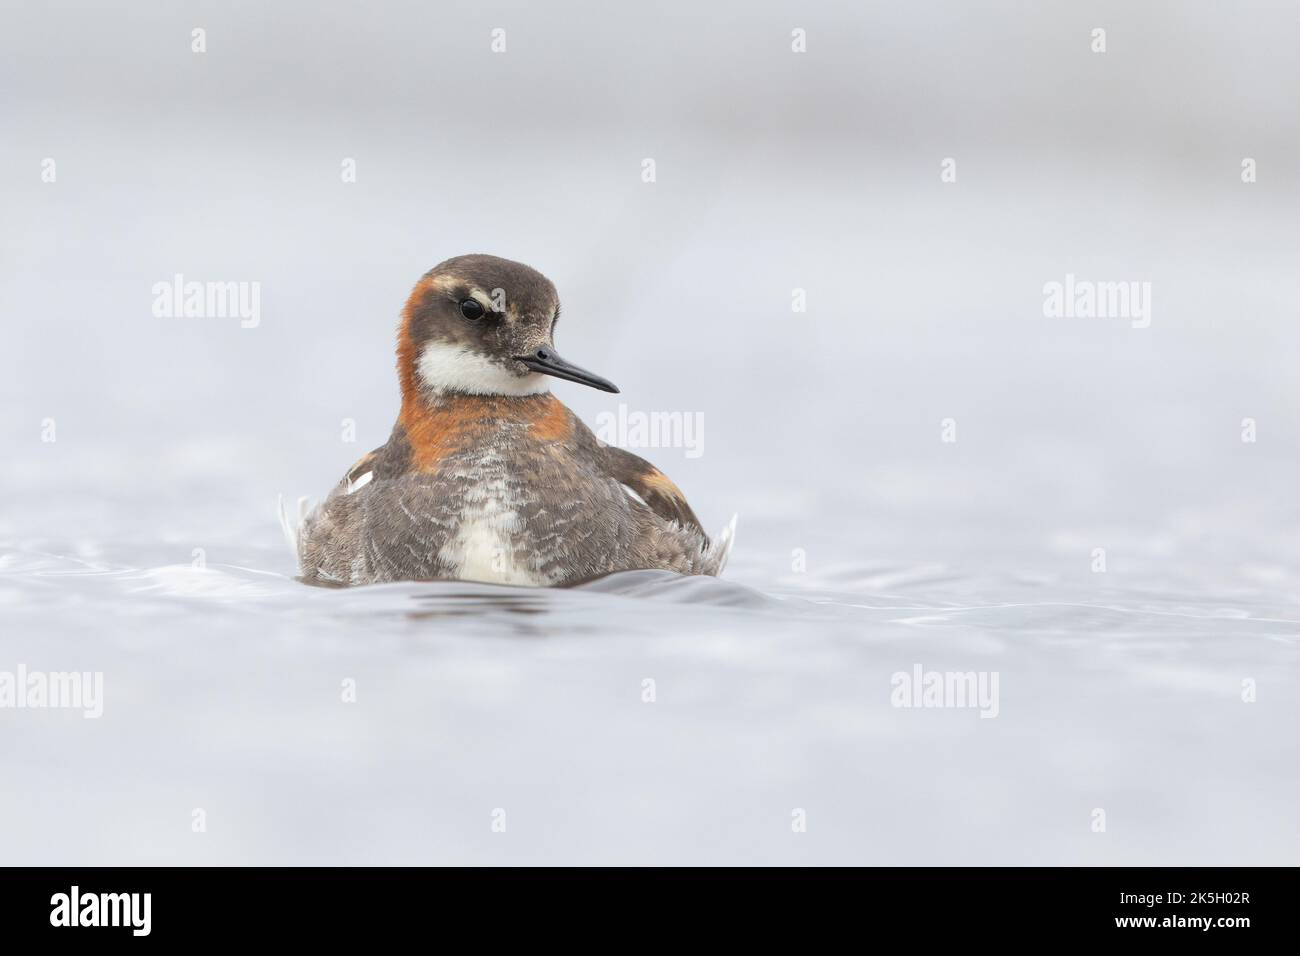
(487, 476)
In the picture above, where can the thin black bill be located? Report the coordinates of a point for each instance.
(547, 362)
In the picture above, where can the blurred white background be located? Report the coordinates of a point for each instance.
(775, 171)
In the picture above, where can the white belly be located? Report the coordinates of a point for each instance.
(484, 546)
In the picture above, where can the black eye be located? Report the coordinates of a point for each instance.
(471, 309)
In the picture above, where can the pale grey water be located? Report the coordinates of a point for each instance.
(1119, 690)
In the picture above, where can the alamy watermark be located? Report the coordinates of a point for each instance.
(945, 689)
(179, 299)
(129, 910)
(61, 690)
(1086, 299)
(635, 429)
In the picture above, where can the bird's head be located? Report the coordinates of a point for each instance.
(481, 325)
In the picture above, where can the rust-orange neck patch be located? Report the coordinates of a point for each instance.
(453, 422)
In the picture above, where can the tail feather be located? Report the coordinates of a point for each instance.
(289, 527)
(715, 559)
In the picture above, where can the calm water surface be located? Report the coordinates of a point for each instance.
(224, 686)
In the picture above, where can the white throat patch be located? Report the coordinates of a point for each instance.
(454, 368)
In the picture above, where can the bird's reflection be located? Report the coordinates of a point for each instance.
(503, 611)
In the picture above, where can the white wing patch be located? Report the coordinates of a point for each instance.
(354, 486)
